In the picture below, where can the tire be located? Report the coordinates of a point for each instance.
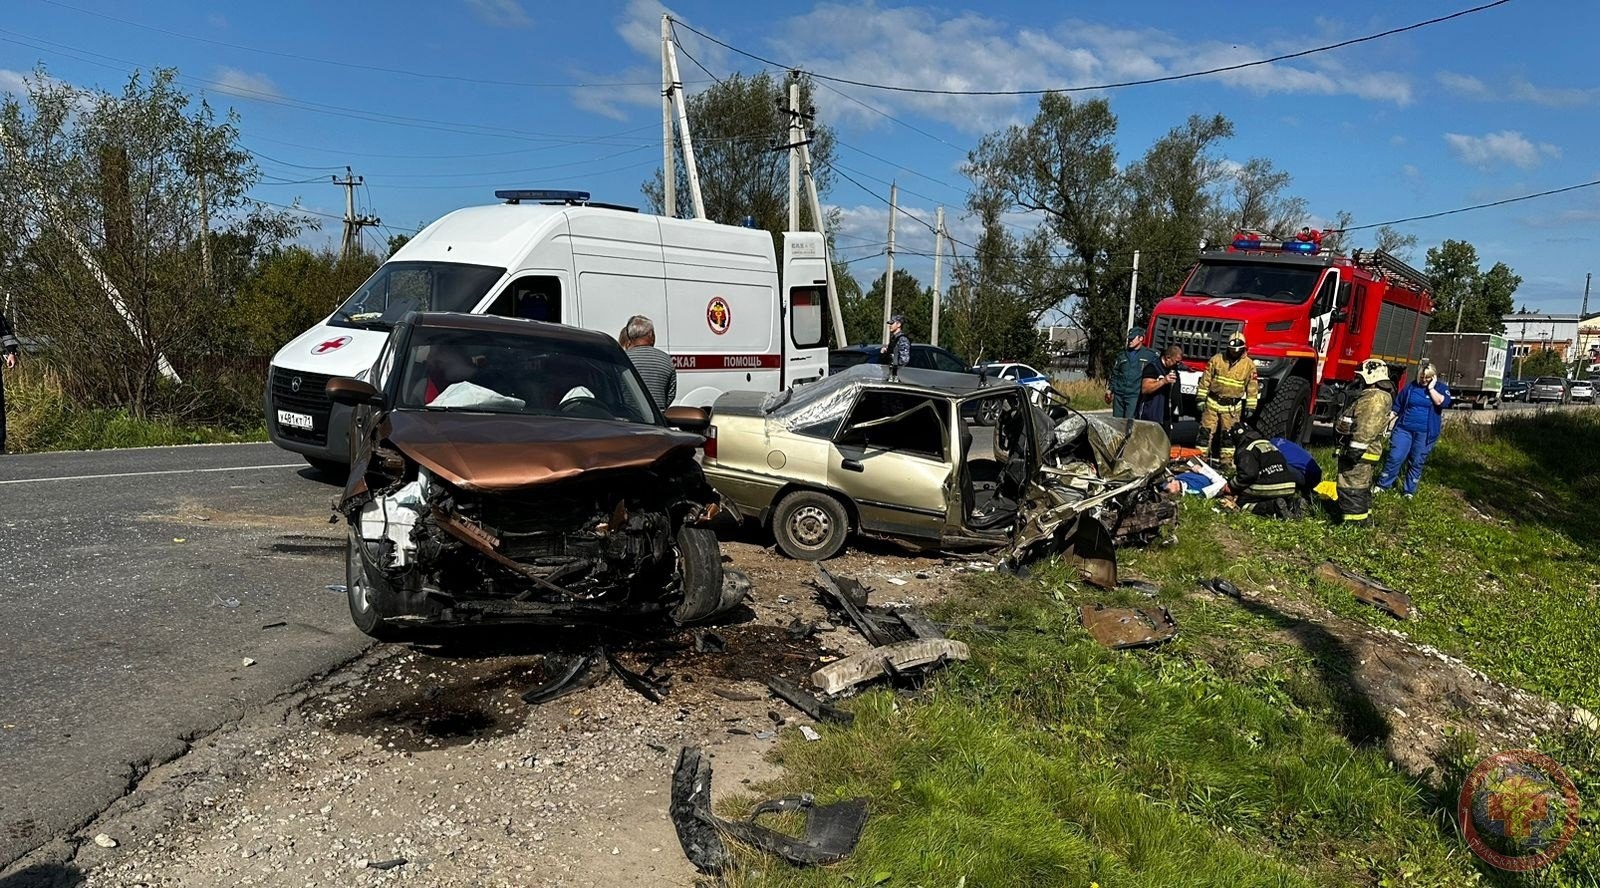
(364, 588)
(810, 526)
(1288, 414)
(700, 575)
(331, 468)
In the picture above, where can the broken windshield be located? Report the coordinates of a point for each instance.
(399, 287)
(1267, 282)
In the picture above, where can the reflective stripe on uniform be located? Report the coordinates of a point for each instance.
(1361, 517)
(1270, 490)
(1372, 456)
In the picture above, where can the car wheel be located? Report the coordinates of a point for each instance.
(364, 589)
(810, 526)
(700, 575)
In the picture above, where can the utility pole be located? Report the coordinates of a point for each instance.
(352, 223)
(675, 91)
(888, 274)
(669, 173)
(204, 200)
(1133, 288)
(938, 273)
(1577, 333)
(794, 156)
(834, 309)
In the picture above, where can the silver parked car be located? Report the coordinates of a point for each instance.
(1548, 388)
(1581, 390)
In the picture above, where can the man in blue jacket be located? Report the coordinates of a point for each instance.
(1419, 411)
(1301, 461)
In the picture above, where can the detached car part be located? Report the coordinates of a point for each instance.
(831, 831)
(1367, 590)
(1120, 628)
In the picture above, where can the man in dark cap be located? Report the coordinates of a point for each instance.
(898, 348)
(1126, 373)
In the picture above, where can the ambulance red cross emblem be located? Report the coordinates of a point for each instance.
(329, 345)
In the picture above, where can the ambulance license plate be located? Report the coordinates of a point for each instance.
(294, 420)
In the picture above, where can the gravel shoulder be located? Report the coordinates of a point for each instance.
(431, 757)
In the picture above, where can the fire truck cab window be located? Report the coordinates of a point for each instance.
(1330, 287)
(1242, 280)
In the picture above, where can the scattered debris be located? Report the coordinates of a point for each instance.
(578, 674)
(889, 659)
(646, 684)
(248, 662)
(766, 735)
(276, 625)
(799, 629)
(1120, 628)
(229, 603)
(1585, 719)
(1367, 590)
(387, 864)
(809, 733)
(179, 540)
(1223, 587)
(1144, 522)
(1143, 587)
(708, 642)
(831, 831)
(736, 695)
(896, 581)
(805, 702)
(336, 588)
(105, 841)
(880, 626)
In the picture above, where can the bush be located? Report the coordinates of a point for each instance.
(42, 417)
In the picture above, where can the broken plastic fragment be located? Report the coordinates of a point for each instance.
(1120, 628)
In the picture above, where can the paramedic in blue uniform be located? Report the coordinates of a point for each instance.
(1419, 414)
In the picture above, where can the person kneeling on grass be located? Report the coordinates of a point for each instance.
(1264, 481)
(1419, 411)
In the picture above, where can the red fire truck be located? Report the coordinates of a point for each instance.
(1310, 318)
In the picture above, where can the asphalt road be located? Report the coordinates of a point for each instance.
(135, 583)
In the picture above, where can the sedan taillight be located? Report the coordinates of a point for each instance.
(711, 442)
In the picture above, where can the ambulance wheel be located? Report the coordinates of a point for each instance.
(1288, 414)
(810, 526)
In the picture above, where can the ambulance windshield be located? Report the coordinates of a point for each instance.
(1266, 282)
(398, 287)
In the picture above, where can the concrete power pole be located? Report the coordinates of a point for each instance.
(938, 273)
(888, 274)
(669, 173)
(794, 156)
(1133, 288)
(834, 309)
(681, 103)
(1577, 334)
(351, 242)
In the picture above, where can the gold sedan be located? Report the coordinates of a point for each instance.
(886, 457)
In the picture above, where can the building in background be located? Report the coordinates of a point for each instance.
(1589, 341)
(1531, 331)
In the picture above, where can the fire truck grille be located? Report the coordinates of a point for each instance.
(1200, 338)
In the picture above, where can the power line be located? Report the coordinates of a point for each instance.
(458, 78)
(1104, 86)
(1482, 206)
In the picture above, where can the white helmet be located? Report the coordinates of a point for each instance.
(1373, 371)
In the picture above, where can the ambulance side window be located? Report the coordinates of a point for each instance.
(534, 297)
(808, 316)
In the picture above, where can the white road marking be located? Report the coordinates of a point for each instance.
(148, 474)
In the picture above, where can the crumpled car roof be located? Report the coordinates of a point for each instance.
(830, 397)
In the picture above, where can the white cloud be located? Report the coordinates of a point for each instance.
(14, 82)
(1410, 171)
(500, 13)
(639, 26)
(1517, 89)
(969, 51)
(217, 20)
(244, 84)
(1495, 149)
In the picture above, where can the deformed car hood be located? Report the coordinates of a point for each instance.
(486, 452)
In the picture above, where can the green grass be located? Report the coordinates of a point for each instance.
(1235, 755)
(1084, 394)
(40, 418)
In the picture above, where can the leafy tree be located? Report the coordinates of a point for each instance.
(1064, 164)
(863, 314)
(290, 288)
(736, 124)
(105, 195)
(396, 241)
(1541, 362)
(1255, 199)
(1492, 300)
(994, 303)
(1391, 241)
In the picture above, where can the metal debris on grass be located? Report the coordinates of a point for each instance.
(1367, 590)
(1121, 628)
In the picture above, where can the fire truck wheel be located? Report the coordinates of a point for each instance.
(1288, 414)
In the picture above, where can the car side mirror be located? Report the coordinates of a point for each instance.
(690, 419)
(353, 392)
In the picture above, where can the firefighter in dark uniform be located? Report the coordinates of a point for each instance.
(1263, 480)
(1362, 428)
(9, 346)
(1226, 394)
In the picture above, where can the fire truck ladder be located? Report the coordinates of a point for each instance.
(1386, 265)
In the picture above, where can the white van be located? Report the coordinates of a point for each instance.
(713, 291)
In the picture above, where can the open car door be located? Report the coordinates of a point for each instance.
(894, 457)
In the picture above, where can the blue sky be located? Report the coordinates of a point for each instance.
(1488, 106)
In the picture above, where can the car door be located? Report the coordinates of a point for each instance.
(893, 457)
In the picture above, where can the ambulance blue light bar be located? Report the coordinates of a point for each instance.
(516, 195)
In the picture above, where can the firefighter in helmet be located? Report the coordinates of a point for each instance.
(1263, 480)
(1226, 394)
(1362, 428)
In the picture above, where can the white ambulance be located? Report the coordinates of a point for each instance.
(720, 307)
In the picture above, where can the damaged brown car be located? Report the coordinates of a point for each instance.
(511, 470)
